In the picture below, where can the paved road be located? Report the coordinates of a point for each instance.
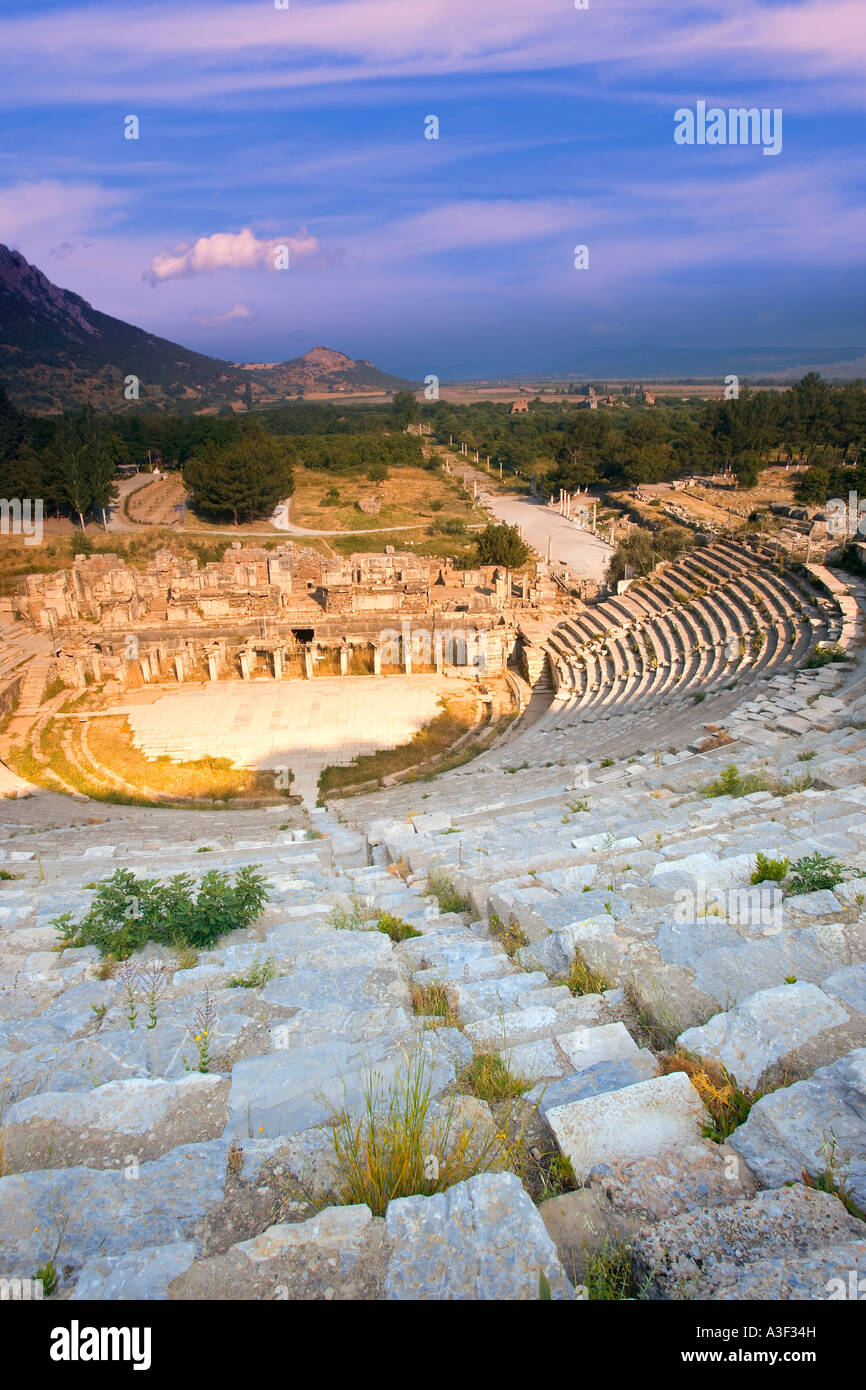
(585, 554)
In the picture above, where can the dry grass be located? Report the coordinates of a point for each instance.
(406, 496)
(433, 741)
(63, 748)
(432, 1002)
(727, 1103)
(488, 1078)
(396, 1147)
(583, 979)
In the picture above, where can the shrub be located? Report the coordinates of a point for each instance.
(814, 872)
(258, 974)
(395, 927)
(823, 655)
(769, 870)
(510, 934)
(128, 911)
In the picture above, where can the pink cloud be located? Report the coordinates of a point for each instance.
(227, 251)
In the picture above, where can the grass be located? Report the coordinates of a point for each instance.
(62, 749)
(433, 741)
(258, 974)
(509, 934)
(431, 1001)
(353, 918)
(488, 1078)
(731, 782)
(449, 898)
(608, 1274)
(833, 1178)
(396, 1147)
(727, 1103)
(583, 979)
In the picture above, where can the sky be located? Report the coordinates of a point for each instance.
(305, 127)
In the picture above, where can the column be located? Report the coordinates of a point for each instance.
(438, 656)
(277, 657)
(406, 647)
(308, 661)
(344, 660)
(377, 659)
(178, 669)
(245, 657)
(213, 666)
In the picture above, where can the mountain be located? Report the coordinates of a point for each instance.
(56, 351)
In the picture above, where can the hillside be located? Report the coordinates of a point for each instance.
(56, 351)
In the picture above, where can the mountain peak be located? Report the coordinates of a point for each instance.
(57, 351)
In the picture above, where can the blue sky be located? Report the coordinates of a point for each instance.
(305, 127)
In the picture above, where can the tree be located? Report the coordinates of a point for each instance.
(404, 409)
(250, 474)
(83, 460)
(501, 545)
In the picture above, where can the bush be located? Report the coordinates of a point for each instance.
(769, 870)
(822, 656)
(814, 872)
(128, 911)
(395, 927)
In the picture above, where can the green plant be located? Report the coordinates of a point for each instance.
(48, 1277)
(822, 655)
(154, 981)
(353, 918)
(769, 870)
(790, 979)
(806, 757)
(449, 898)
(258, 974)
(128, 977)
(833, 1178)
(6, 876)
(202, 1031)
(128, 912)
(205, 849)
(396, 1148)
(544, 1292)
(395, 927)
(487, 1077)
(608, 1274)
(510, 934)
(815, 871)
(583, 979)
(432, 1001)
(606, 762)
(99, 1009)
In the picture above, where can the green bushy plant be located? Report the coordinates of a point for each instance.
(128, 911)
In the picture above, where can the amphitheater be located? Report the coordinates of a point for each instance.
(577, 913)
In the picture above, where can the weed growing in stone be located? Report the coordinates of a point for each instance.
(816, 871)
(128, 911)
(510, 934)
(608, 1275)
(488, 1078)
(432, 1002)
(449, 898)
(834, 1177)
(395, 927)
(583, 979)
(769, 870)
(258, 974)
(399, 1145)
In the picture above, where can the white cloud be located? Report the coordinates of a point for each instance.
(227, 251)
(237, 311)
